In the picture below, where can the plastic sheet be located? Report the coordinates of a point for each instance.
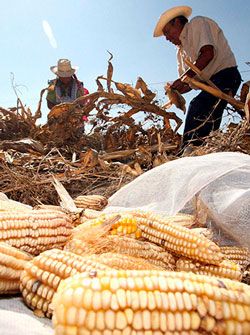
(220, 180)
(17, 319)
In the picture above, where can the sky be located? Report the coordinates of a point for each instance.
(34, 34)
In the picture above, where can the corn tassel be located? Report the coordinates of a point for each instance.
(150, 302)
(35, 231)
(12, 262)
(41, 277)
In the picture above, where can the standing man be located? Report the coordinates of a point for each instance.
(66, 87)
(202, 41)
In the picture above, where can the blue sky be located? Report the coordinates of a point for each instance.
(83, 31)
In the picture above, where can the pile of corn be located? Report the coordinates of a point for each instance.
(123, 273)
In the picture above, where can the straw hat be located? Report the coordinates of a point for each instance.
(64, 68)
(170, 14)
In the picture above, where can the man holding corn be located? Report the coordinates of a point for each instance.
(201, 41)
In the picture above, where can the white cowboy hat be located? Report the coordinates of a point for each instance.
(64, 68)
(170, 14)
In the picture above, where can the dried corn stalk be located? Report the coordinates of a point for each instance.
(42, 275)
(96, 202)
(175, 98)
(12, 262)
(35, 231)
(226, 268)
(151, 302)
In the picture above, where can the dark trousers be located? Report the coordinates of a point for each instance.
(205, 110)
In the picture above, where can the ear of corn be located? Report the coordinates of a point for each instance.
(35, 231)
(96, 202)
(141, 249)
(50, 207)
(238, 255)
(185, 220)
(89, 214)
(151, 302)
(204, 232)
(173, 237)
(226, 268)
(124, 262)
(182, 219)
(12, 262)
(179, 240)
(41, 277)
(118, 224)
(10, 205)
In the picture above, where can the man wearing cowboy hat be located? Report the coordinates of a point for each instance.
(202, 41)
(66, 87)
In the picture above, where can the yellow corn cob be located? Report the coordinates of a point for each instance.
(119, 223)
(185, 220)
(89, 214)
(124, 262)
(41, 277)
(151, 302)
(97, 202)
(203, 231)
(226, 268)
(98, 243)
(35, 231)
(12, 262)
(142, 249)
(238, 255)
(10, 205)
(182, 219)
(179, 240)
(50, 207)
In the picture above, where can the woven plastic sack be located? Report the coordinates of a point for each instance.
(220, 180)
(17, 319)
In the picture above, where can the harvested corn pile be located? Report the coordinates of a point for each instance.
(110, 279)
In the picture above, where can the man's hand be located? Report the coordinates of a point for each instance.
(180, 86)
